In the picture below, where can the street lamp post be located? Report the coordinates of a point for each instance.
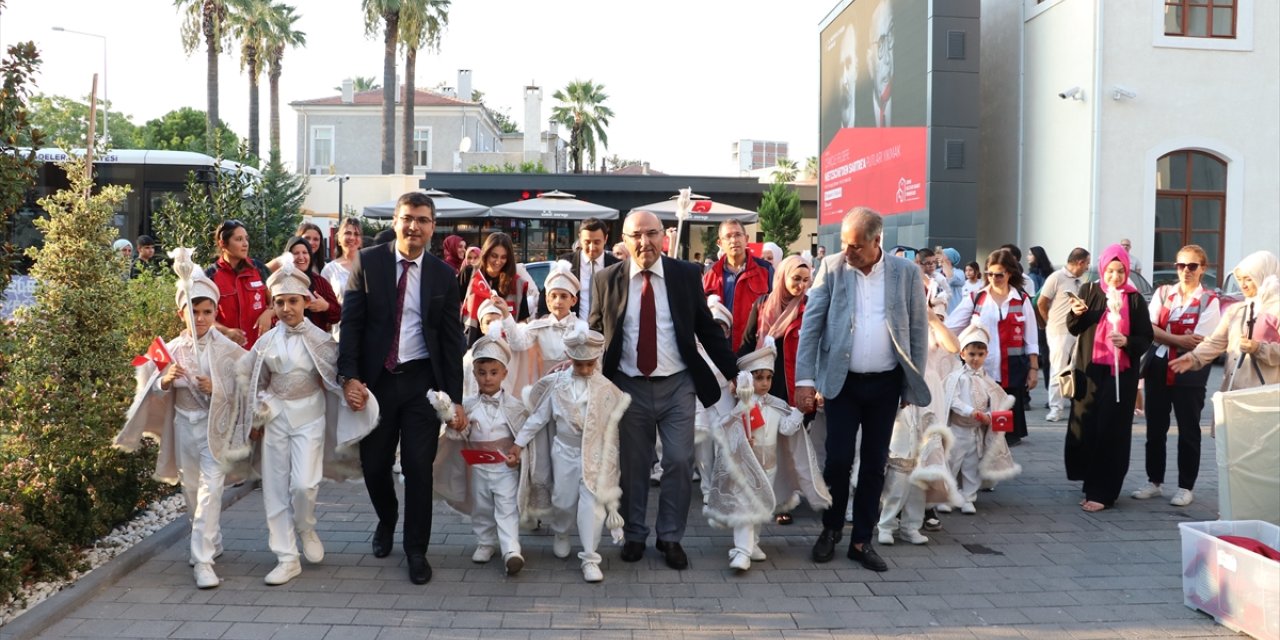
(106, 116)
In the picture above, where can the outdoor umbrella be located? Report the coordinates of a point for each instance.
(447, 206)
(702, 210)
(553, 205)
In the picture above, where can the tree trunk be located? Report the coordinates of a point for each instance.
(273, 79)
(392, 21)
(211, 77)
(251, 65)
(407, 121)
(575, 148)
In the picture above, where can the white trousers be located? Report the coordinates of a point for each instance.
(746, 538)
(1061, 347)
(571, 500)
(202, 482)
(963, 461)
(292, 464)
(493, 517)
(901, 503)
(704, 456)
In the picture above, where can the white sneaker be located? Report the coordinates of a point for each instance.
(217, 552)
(757, 555)
(944, 508)
(591, 572)
(483, 554)
(1151, 490)
(312, 548)
(514, 562)
(205, 577)
(885, 537)
(561, 546)
(912, 536)
(1054, 415)
(739, 561)
(968, 508)
(283, 573)
(1182, 498)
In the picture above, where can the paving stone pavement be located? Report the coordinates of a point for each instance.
(1029, 564)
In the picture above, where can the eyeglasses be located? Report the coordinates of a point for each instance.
(1189, 266)
(733, 236)
(419, 220)
(996, 274)
(652, 235)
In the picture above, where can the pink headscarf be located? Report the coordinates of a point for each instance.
(1103, 351)
(781, 308)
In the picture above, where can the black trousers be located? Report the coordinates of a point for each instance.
(869, 402)
(408, 420)
(1186, 403)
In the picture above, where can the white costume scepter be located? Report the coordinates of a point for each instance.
(683, 204)
(1114, 300)
(184, 266)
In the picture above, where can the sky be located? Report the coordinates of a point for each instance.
(685, 79)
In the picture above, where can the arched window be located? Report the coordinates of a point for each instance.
(1191, 198)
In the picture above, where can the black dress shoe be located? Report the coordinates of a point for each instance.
(868, 557)
(676, 558)
(419, 570)
(825, 548)
(632, 551)
(382, 541)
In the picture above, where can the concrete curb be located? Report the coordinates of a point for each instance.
(60, 605)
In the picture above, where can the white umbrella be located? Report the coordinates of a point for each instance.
(447, 206)
(553, 205)
(702, 209)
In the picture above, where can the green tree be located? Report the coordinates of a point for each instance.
(504, 121)
(709, 238)
(17, 170)
(183, 130)
(282, 36)
(252, 25)
(362, 83)
(780, 214)
(811, 168)
(422, 23)
(206, 22)
(787, 170)
(384, 16)
(66, 120)
(582, 109)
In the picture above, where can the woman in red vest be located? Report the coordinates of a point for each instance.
(496, 273)
(1005, 311)
(1182, 315)
(244, 311)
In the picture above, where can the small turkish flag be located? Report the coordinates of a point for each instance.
(1002, 421)
(483, 456)
(156, 353)
(477, 292)
(701, 206)
(757, 417)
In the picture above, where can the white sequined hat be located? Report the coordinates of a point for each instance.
(487, 307)
(201, 287)
(288, 280)
(491, 348)
(974, 333)
(762, 358)
(561, 277)
(582, 343)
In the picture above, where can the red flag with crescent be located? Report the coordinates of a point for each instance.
(1002, 421)
(483, 456)
(478, 290)
(156, 353)
(701, 206)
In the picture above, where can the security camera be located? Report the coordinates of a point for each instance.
(1074, 93)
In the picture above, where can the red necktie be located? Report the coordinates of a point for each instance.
(393, 356)
(647, 345)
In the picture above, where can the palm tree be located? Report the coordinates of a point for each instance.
(252, 26)
(206, 22)
(362, 83)
(421, 24)
(282, 36)
(582, 110)
(787, 170)
(811, 168)
(387, 14)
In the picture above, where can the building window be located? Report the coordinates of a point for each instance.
(1191, 199)
(321, 149)
(1200, 18)
(422, 148)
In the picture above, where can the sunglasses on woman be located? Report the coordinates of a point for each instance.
(1189, 266)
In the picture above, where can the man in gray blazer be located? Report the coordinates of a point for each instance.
(863, 344)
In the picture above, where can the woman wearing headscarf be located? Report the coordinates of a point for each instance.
(953, 272)
(455, 252)
(323, 310)
(311, 232)
(1249, 332)
(1113, 330)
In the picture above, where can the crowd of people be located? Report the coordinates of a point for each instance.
(882, 389)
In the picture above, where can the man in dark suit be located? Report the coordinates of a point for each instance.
(651, 309)
(590, 259)
(401, 336)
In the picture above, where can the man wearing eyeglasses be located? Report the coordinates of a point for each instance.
(880, 63)
(1054, 305)
(738, 277)
(652, 313)
(401, 336)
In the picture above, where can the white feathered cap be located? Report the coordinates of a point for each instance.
(975, 332)
(561, 277)
(582, 343)
(487, 307)
(719, 311)
(201, 287)
(288, 280)
(491, 348)
(762, 358)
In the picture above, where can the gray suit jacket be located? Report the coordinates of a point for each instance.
(826, 338)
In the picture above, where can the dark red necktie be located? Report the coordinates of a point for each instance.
(393, 356)
(647, 345)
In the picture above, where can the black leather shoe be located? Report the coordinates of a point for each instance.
(868, 557)
(419, 570)
(632, 551)
(382, 541)
(825, 548)
(676, 558)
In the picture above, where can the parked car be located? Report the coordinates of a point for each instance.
(1170, 276)
(537, 272)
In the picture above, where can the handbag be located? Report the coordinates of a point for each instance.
(1067, 382)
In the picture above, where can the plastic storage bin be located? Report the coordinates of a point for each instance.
(1239, 588)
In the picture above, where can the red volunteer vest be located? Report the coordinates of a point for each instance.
(1186, 323)
(1010, 329)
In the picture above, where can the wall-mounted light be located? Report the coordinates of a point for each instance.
(1118, 92)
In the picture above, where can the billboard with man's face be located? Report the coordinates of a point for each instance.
(873, 97)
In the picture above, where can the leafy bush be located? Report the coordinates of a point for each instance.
(29, 552)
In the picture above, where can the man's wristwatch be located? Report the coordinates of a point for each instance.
(343, 380)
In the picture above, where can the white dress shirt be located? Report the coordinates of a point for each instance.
(586, 271)
(490, 422)
(1210, 314)
(669, 360)
(872, 347)
(413, 346)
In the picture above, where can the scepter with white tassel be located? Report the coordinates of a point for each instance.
(185, 267)
(683, 203)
